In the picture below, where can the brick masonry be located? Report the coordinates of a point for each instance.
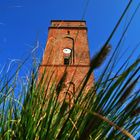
(67, 35)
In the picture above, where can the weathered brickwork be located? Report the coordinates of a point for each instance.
(67, 48)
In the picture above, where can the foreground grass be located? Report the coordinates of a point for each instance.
(109, 110)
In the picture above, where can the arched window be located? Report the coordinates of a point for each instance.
(70, 93)
(67, 56)
(68, 50)
(72, 87)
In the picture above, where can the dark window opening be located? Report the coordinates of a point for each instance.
(66, 61)
(68, 32)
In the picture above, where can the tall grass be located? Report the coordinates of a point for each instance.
(109, 110)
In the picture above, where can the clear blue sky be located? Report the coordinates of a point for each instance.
(22, 22)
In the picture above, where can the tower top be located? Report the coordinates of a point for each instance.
(67, 44)
(68, 21)
(80, 24)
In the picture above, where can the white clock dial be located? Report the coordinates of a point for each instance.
(67, 51)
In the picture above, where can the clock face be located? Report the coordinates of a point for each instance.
(67, 51)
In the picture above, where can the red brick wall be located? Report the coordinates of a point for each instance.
(73, 35)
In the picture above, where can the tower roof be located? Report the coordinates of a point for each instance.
(81, 24)
(68, 21)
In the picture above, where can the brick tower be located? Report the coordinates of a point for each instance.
(67, 50)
